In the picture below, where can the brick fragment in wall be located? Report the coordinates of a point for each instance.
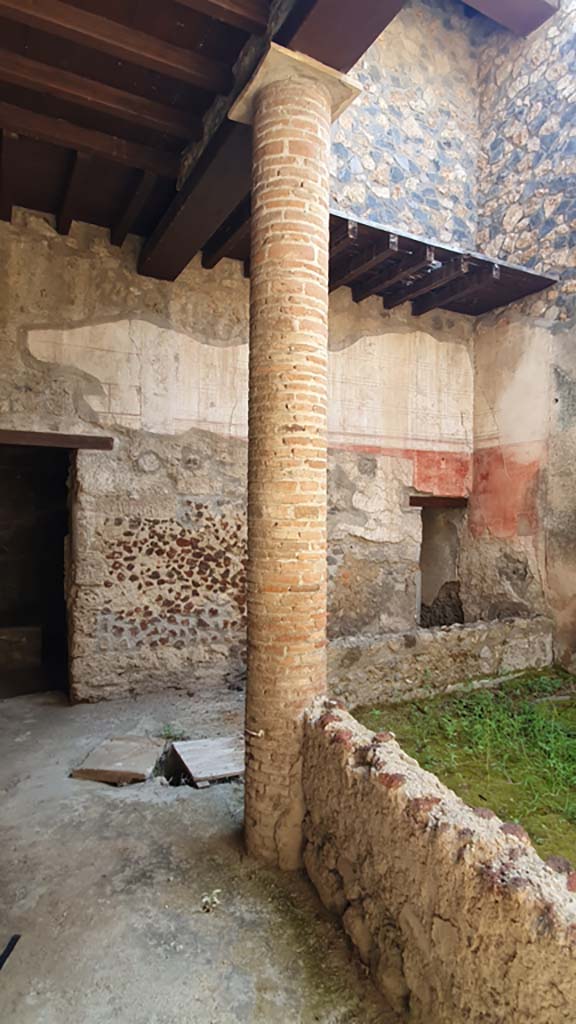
(437, 900)
(425, 662)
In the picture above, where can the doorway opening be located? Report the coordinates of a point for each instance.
(441, 604)
(33, 530)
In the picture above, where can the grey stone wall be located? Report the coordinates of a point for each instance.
(406, 153)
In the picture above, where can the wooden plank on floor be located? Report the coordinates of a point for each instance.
(121, 760)
(212, 760)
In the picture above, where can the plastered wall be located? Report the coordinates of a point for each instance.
(156, 589)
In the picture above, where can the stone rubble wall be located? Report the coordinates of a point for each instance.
(428, 662)
(451, 909)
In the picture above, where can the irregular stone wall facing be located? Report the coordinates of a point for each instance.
(156, 593)
(428, 662)
(406, 152)
(452, 910)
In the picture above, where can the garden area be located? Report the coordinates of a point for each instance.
(511, 749)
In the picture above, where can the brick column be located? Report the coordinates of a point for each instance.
(291, 102)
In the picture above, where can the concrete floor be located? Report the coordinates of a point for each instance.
(105, 886)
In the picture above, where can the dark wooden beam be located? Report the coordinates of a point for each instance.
(121, 41)
(31, 74)
(413, 264)
(220, 182)
(435, 279)
(73, 136)
(133, 208)
(249, 15)
(96, 442)
(234, 231)
(344, 239)
(7, 140)
(520, 16)
(72, 193)
(367, 260)
(460, 289)
(437, 501)
(338, 33)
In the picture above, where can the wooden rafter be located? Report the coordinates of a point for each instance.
(121, 41)
(7, 140)
(339, 33)
(72, 193)
(457, 290)
(72, 136)
(422, 259)
(344, 240)
(210, 197)
(234, 231)
(520, 16)
(451, 271)
(134, 206)
(376, 254)
(87, 92)
(249, 15)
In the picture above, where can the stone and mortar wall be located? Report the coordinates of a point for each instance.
(451, 909)
(428, 662)
(157, 588)
(406, 153)
(521, 556)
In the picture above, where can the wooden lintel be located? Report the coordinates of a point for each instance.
(87, 92)
(72, 136)
(118, 40)
(344, 239)
(234, 231)
(520, 16)
(413, 264)
(338, 33)
(72, 193)
(451, 271)
(133, 208)
(365, 261)
(7, 140)
(459, 289)
(41, 439)
(249, 15)
(437, 501)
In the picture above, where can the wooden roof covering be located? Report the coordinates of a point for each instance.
(114, 111)
(375, 259)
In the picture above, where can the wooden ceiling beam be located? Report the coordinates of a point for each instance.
(423, 259)
(7, 140)
(72, 193)
(451, 271)
(457, 290)
(117, 40)
(249, 15)
(63, 133)
(127, 219)
(220, 182)
(234, 231)
(344, 239)
(371, 258)
(338, 33)
(127, 106)
(520, 16)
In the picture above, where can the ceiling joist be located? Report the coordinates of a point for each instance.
(423, 259)
(86, 92)
(451, 271)
(7, 140)
(376, 254)
(457, 290)
(136, 203)
(72, 194)
(249, 15)
(117, 40)
(72, 136)
(234, 232)
(520, 16)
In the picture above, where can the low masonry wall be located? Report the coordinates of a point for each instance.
(452, 910)
(423, 662)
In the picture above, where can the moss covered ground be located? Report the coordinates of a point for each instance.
(512, 749)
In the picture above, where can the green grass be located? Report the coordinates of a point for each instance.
(512, 749)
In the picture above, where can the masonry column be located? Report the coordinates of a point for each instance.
(291, 110)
